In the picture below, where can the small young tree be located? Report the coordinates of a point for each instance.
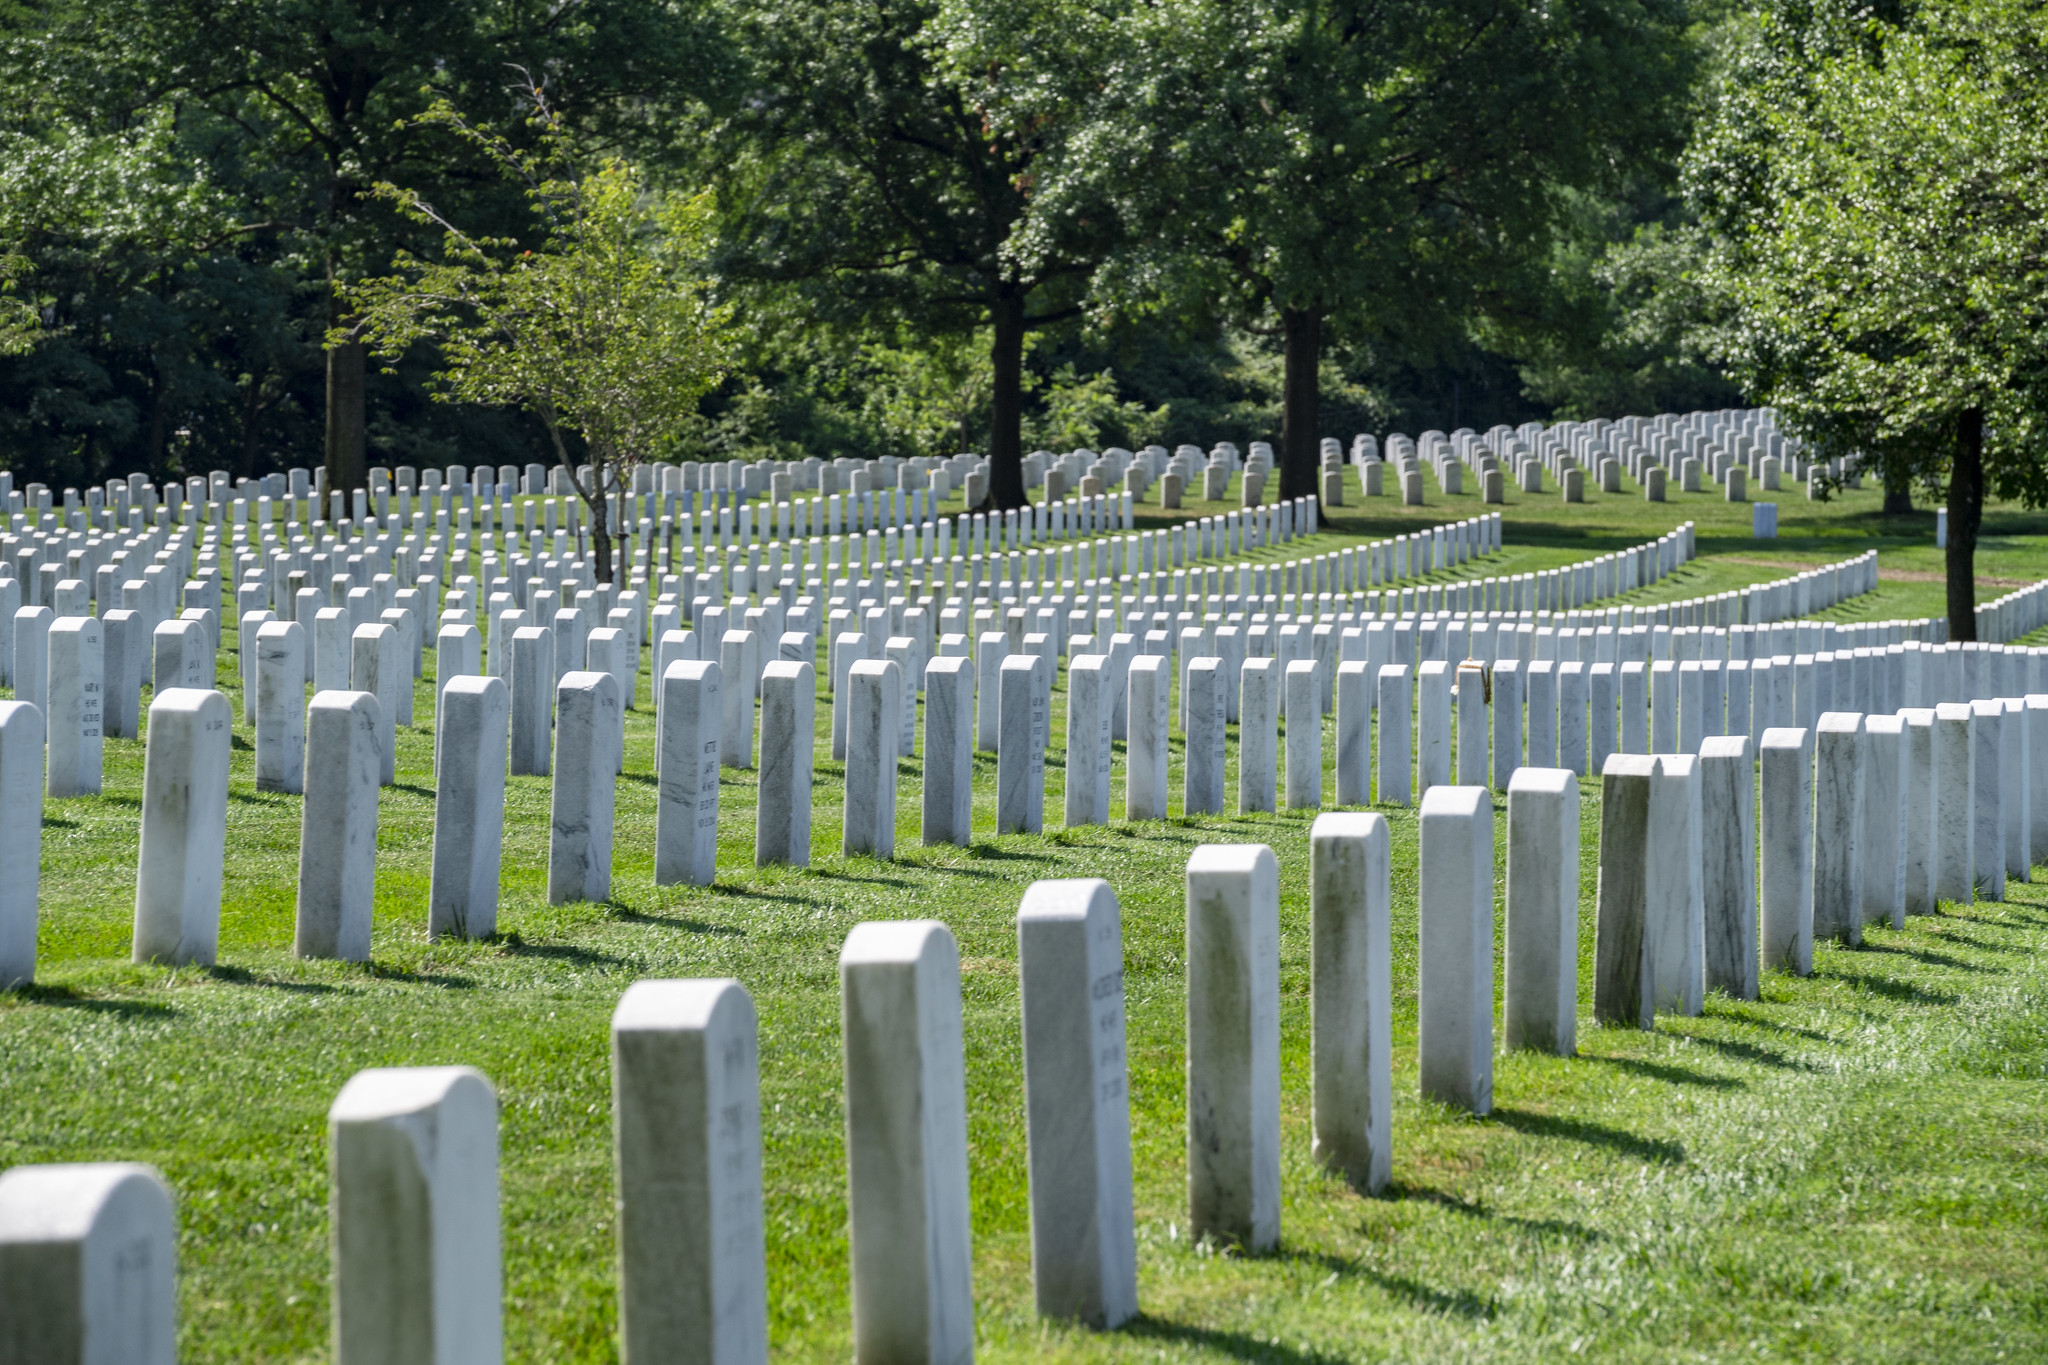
(602, 326)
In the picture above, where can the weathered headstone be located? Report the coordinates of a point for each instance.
(280, 650)
(2014, 789)
(1233, 1044)
(183, 843)
(948, 816)
(1395, 747)
(88, 1266)
(1507, 721)
(1020, 750)
(585, 774)
(1354, 734)
(1304, 736)
(1070, 968)
(1350, 1000)
(1454, 957)
(848, 648)
(686, 1125)
(1089, 705)
(533, 693)
(782, 810)
(993, 649)
(1622, 990)
(1987, 798)
(75, 710)
(1673, 912)
(1785, 859)
(1202, 775)
(469, 807)
(874, 710)
(1954, 784)
(413, 1204)
(1542, 975)
(1881, 840)
(332, 655)
(376, 668)
(1728, 866)
(687, 807)
(906, 1132)
(31, 668)
(1917, 842)
(738, 657)
(338, 826)
(1473, 723)
(21, 839)
(1539, 683)
(1258, 735)
(124, 643)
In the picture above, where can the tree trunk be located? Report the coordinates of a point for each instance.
(1006, 404)
(1965, 511)
(1898, 495)
(1301, 331)
(347, 465)
(600, 521)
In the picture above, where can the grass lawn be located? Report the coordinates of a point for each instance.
(1851, 1168)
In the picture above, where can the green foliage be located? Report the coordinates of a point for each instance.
(19, 320)
(602, 326)
(1875, 195)
(182, 176)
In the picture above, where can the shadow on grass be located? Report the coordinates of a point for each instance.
(691, 926)
(413, 789)
(835, 875)
(516, 944)
(1905, 992)
(242, 976)
(1237, 1345)
(982, 848)
(1618, 1140)
(446, 981)
(1665, 1072)
(1538, 1125)
(1932, 959)
(69, 997)
(1750, 1052)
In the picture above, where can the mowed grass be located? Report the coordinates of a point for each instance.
(1850, 1168)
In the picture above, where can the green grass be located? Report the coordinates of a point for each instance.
(1851, 1168)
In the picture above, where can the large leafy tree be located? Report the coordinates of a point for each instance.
(1380, 169)
(251, 131)
(1874, 192)
(866, 167)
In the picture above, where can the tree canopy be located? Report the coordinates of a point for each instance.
(596, 322)
(1873, 200)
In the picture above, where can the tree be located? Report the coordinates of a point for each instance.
(19, 321)
(1875, 198)
(1309, 165)
(193, 175)
(865, 164)
(601, 327)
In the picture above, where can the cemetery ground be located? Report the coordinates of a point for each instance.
(1850, 1168)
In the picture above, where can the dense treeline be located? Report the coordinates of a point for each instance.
(941, 225)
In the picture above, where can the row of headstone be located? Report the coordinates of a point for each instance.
(420, 1278)
(1678, 911)
(1685, 446)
